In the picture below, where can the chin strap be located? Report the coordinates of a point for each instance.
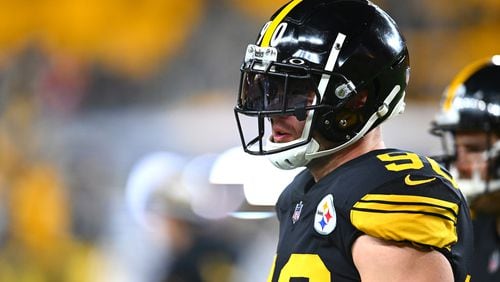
(293, 158)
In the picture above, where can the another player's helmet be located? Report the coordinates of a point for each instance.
(332, 50)
(471, 103)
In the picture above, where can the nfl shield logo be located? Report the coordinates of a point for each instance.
(296, 213)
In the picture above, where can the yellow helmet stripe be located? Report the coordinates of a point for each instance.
(277, 20)
(459, 80)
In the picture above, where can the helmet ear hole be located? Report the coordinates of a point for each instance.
(331, 127)
(325, 124)
(341, 124)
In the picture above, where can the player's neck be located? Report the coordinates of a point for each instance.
(323, 166)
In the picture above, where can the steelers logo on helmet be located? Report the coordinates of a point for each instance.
(315, 61)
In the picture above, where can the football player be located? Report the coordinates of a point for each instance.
(315, 86)
(469, 125)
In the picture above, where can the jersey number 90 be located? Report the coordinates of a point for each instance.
(308, 266)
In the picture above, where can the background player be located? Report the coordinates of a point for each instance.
(470, 119)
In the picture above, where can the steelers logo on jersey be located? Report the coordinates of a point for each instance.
(325, 219)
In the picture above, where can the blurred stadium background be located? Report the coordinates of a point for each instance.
(116, 120)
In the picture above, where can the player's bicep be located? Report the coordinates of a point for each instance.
(380, 260)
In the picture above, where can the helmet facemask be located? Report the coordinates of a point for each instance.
(270, 90)
(482, 161)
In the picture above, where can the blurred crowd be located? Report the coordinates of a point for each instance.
(113, 114)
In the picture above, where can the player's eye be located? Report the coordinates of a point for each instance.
(475, 148)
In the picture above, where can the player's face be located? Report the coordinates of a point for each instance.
(286, 128)
(471, 154)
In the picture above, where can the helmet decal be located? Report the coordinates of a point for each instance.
(271, 30)
(458, 81)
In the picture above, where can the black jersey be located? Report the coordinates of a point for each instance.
(389, 194)
(486, 263)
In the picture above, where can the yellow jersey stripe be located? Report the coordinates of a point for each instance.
(410, 227)
(402, 199)
(422, 220)
(377, 207)
(277, 20)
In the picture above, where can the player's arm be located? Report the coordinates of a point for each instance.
(381, 260)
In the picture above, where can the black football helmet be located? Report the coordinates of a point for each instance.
(330, 50)
(471, 103)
